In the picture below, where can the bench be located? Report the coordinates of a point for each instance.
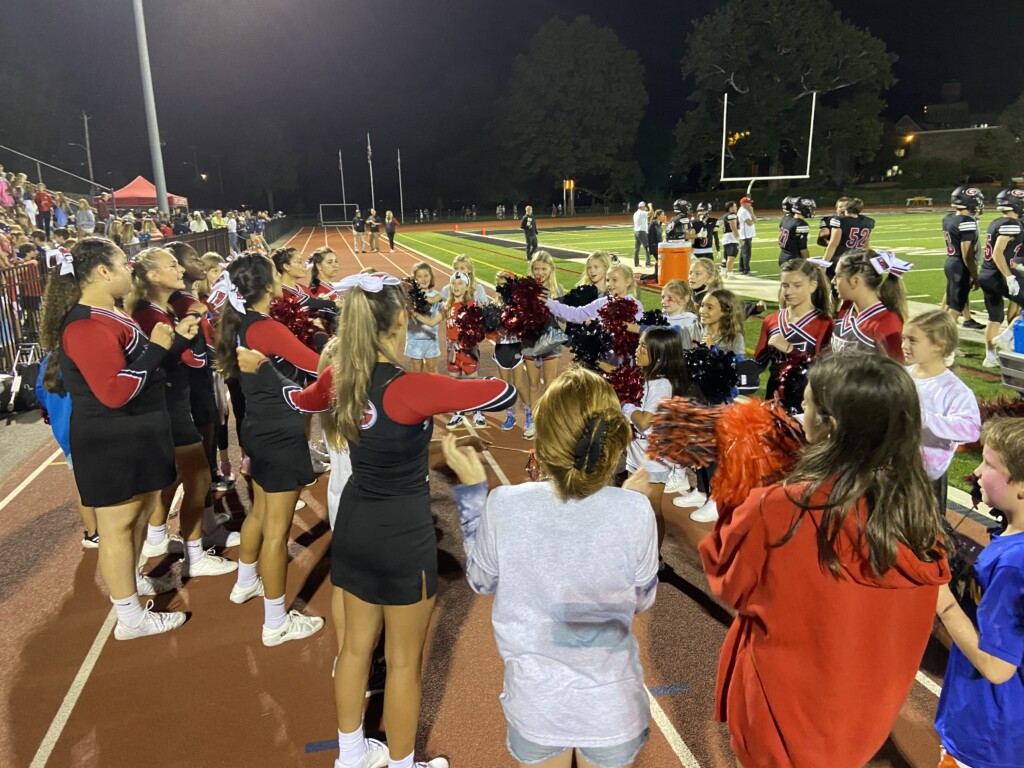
(919, 200)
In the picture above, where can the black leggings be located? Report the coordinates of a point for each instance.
(704, 475)
(391, 240)
(238, 408)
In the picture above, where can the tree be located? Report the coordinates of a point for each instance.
(572, 109)
(1001, 151)
(770, 56)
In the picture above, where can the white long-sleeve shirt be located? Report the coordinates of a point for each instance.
(587, 311)
(949, 418)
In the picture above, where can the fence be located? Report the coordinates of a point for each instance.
(21, 305)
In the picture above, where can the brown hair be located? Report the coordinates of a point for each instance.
(890, 289)
(315, 259)
(940, 328)
(1004, 436)
(821, 298)
(872, 454)
(253, 275)
(573, 412)
(329, 426)
(730, 327)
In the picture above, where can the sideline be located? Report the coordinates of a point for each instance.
(25, 483)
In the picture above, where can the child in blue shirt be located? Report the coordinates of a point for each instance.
(982, 703)
(57, 409)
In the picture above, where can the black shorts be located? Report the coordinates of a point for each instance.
(958, 283)
(202, 399)
(731, 249)
(993, 285)
(508, 355)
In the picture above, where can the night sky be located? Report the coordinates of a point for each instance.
(420, 75)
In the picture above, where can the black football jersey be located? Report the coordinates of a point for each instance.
(856, 233)
(727, 220)
(793, 237)
(1004, 226)
(678, 227)
(824, 230)
(704, 234)
(958, 229)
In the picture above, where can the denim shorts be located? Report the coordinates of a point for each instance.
(603, 757)
(422, 349)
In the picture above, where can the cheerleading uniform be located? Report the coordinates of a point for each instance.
(811, 334)
(461, 361)
(875, 327)
(183, 356)
(120, 429)
(385, 550)
(274, 434)
(325, 298)
(200, 379)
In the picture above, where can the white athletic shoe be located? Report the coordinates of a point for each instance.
(153, 623)
(170, 544)
(437, 762)
(376, 755)
(692, 499)
(706, 514)
(151, 585)
(222, 537)
(1004, 340)
(991, 360)
(240, 595)
(457, 420)
(209, 565)
(296, 627)
(479, 420)
(678, 481)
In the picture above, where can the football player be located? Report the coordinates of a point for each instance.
(705, 231)
(825, 225)
(795, 229)
(1000, 275)
(848, 231)
(960, 228)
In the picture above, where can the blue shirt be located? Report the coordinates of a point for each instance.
(58, 408)
(979, 722)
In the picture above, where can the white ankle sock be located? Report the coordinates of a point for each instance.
(246, 574)
(273, 612)
(129, 611)
(195, 551)
(405, 762)
(155, 534)
(351, 748)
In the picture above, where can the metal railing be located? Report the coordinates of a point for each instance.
(21, 308)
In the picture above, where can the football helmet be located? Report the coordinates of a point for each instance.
(805, 206)
(1011, 200)
(787, 204)
(682, 206)
(968, 198)
(703, 207)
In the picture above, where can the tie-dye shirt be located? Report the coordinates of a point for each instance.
(949, 418)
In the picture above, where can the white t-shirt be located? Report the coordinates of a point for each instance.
(640, 220)
(567, 577)
(655, 391)
(949, 418)
(747, 228)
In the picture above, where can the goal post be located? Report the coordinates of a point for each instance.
(337, 213)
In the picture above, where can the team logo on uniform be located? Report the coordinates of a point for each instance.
(1017, 192)
(369, 417)
(972, 191)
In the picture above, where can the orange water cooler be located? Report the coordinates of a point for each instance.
(674, 260)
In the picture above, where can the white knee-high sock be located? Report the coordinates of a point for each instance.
(351, 748)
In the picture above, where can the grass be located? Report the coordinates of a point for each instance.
(916, 238)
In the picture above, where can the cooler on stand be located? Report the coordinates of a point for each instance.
(674, 260)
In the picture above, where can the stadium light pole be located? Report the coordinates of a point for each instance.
(401, 197)
(341, 170)
(150, 101)
(369, 161)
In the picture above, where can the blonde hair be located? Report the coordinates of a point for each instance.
(714, 283)
(682, 291)
(627, 272)
(567, 413)
(604, 257)
(210, 259)
(464, 259)
(940, 328)
(551, 284)
(332, 435)
(450, 301)
(147, 261)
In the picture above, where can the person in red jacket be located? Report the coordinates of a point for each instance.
(835, 573)
(44, 209)
(874, 302)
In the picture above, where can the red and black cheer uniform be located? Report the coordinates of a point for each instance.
(200, 379)
(811, 334)
(958, 229)
(384, 549)
(305, 298)
(993, 284)
(275, 435)
(322, 292)
(183, 355)
(874, 328)
(120, 430)
(855, 233)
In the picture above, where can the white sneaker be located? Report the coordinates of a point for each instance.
(151, 585)
(692, 499)
(296, 627)
(479, 420)
(678, 481)
(222, 537)
(376, 755)
(240, 595)
(209, 565)
(437, 762)
(991, 360)
(457, 420)
(170, 544)
(706, 514)
(1004, 340)
(153, 623)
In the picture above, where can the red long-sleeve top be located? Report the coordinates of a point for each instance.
(275, 341)
(814, 668)
(99, 345)
(147, 315)
(183, 302)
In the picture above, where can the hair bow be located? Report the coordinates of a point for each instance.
(62, 256)
(371, 283)
(223, 286)
(886, 263)
(457, 275)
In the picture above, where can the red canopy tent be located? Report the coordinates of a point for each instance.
(141, 193)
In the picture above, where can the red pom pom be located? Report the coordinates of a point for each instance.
(683, 432)
(758, 443)
(614, 317)
(525, 314)
(288, 311)
(470, 322)
(628, 382)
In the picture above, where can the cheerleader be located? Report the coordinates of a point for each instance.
(949, 410)
(275, 439)
(834, 572)
(874, 302)
(508, 356)
(385, 563)
(595, 270)
(803, 324)
(542, 357)
(120, 429)
(291, 266)
(464, 264)
(421, 342)
(721, 316)
(323, 265)
(621, 284)
(155, 277)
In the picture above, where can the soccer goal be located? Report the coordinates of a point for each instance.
(337, 213)
(729, 139)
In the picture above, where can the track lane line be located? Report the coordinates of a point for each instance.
(27, 481)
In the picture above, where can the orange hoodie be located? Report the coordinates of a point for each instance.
(814, 669)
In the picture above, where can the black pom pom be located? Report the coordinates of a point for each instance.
(492, 318)
(793, 381)
(589, 343)
(653, 317)
(713, 370)
(580, 296)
